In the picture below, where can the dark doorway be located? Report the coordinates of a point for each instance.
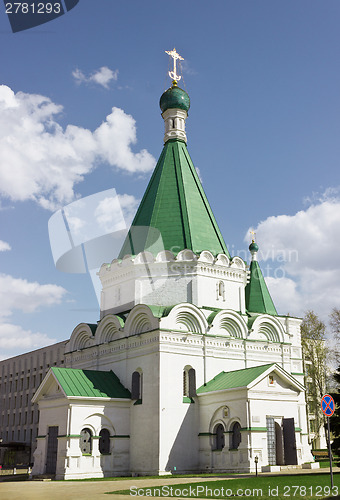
(52, 449)
(289, 441)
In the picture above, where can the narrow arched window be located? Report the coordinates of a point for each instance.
(192, 383)
(104, 441)
(221, 290)
(235, 436)
(189, 383)
(219, 437)
(86, 441)
(136, 386)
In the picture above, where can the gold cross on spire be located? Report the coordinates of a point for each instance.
(174, 54)
(252, 232)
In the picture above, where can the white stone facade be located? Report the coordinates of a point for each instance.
(168, 431)
(71, 415)
(167, 279)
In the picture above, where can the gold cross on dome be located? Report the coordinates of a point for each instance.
(252, 232)
(174, 54)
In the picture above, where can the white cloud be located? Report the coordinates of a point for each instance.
(199, 174)
(330, 194)
(102, 76)
(4, 246)
(129, 205)
(20, 294)
(110, 215)
(285, 295)
(76, 224)
(299, 256)
(28, 297)
(115, 213)
(187, 69)
(97, 215)
(41, 161)
(114, 138)
(79, 76)
(15, 340)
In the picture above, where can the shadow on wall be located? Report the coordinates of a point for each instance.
(184, 453)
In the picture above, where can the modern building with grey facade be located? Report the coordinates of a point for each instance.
(20, 377)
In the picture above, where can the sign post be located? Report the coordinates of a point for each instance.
(328, 407)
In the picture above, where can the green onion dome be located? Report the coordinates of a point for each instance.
(253, 247)
(174, 97)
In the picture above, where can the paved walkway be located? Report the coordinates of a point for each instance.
(78, 490)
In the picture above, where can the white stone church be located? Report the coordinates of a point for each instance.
(190, 368)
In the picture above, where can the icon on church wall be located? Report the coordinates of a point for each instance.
(225, 412)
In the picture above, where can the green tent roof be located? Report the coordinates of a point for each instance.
(175, 205)
(234, 379)
(258, 299)
(90, 383)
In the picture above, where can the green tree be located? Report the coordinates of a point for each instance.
(335, 418)
(335, 326)
(316, 354)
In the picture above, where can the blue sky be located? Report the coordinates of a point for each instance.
(263, 130)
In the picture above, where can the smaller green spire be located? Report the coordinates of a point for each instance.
(258, 299)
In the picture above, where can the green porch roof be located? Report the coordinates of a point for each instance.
(174, 204)
(234, 379)
(90, 383)
(258, 299)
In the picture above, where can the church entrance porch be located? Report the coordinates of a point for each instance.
(281, 441)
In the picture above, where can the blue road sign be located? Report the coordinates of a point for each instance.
(327, 405)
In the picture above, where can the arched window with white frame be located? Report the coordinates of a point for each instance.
(104, 442)
(220, 290)
(86, 441)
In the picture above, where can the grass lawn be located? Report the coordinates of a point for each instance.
(325, 463)
(265, 488)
